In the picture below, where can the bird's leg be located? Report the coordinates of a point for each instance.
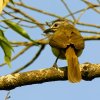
(55, 63)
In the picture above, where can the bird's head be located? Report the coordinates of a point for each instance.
(56, 24)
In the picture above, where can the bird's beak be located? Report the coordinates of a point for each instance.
(48, 30)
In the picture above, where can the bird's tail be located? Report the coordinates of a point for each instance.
(74, 74)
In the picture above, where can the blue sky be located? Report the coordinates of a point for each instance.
(59, 89)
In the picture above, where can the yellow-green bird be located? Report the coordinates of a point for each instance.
(67, 43)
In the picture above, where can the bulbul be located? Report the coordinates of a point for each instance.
(67, 43)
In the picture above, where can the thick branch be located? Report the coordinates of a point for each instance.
(11, 81)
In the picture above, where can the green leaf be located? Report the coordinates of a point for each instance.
(7, 52)
(4, 39)
(17, 28)
(5, 45)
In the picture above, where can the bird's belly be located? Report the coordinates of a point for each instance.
(61, 52)
(58, 52)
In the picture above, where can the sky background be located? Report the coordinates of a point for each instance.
(56, 90)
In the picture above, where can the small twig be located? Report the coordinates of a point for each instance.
(81, 15)
(17, 55)
(87, 24)
(81, 10)
(89, 31)
(91, 5)
(16, 17)
(22, 19)
(96, 37)
(7, 96)
(31, 61)
(44, 42)
(29, 17)
(40, 41)
(11, 12)
(8, 13)
(27, 26)
(37, 10)
(65, 4)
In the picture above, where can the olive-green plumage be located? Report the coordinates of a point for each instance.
(67, 43)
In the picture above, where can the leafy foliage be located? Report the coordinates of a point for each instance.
(14, 26)
(7, 48)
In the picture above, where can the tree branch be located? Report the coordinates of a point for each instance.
(44, 42)
(17, 55)
(27, 16)
(89, 71)
(31, 61)
(37, 10)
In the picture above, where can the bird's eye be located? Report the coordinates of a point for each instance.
(55, 25)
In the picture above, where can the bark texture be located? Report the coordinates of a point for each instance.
(88, 71)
